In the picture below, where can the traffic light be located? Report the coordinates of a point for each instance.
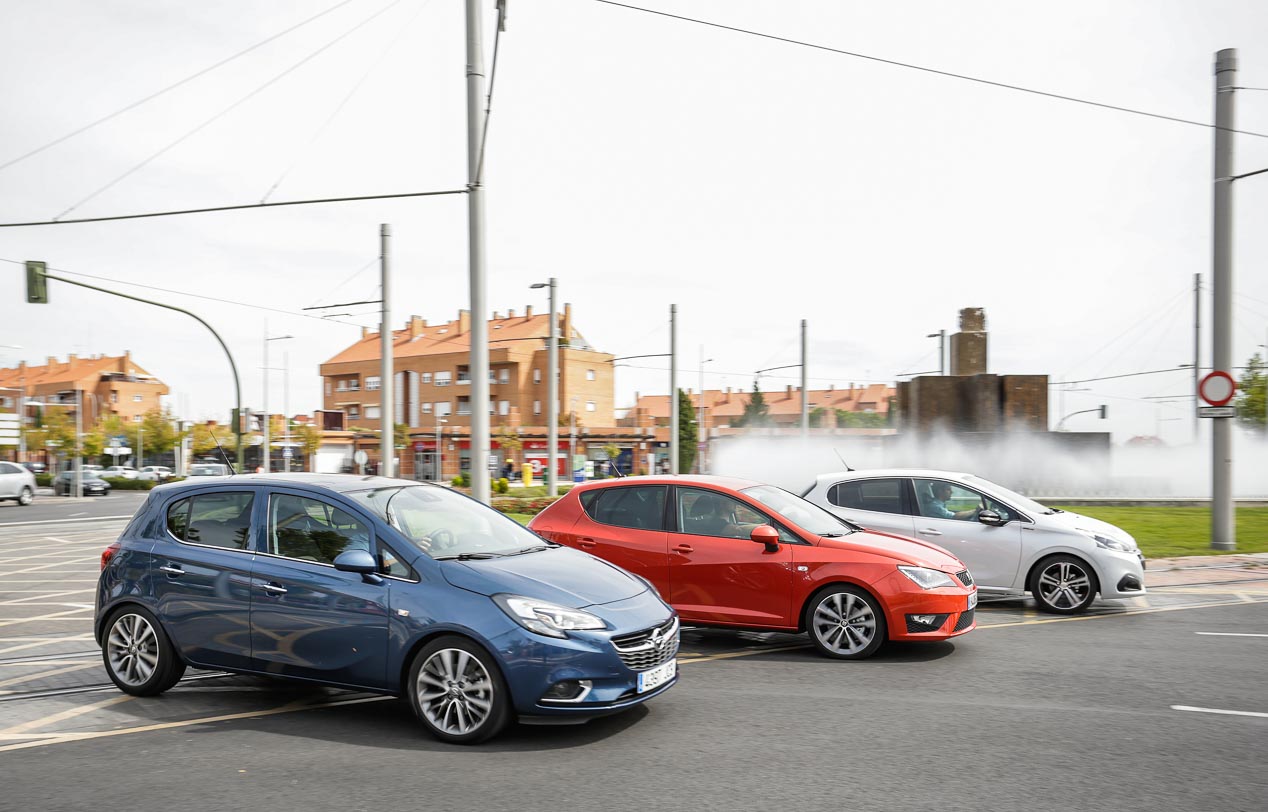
(1104, 409)
(36, 282)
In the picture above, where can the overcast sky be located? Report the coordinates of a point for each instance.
(644, 161)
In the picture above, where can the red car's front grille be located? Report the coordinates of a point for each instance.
(965, 621)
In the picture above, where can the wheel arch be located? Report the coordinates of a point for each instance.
(407, 660)
(1048, 555)
(835, 582)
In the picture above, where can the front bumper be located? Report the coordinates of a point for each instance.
(1122, 575)
(950, 604)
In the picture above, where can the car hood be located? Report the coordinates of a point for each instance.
(1077, 521)
(901, 548)
(560, 575)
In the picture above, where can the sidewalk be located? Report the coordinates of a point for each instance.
(1206, 569)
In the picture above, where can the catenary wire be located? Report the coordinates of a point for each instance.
(354, 275)
(936, 71)
(374, 65)
(170, 87)
(260, 89)
(1163, 319)
(1150, 312)
(488, 99)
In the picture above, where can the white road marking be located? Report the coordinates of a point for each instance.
(62, 521)
(80, 513)
(17, 731)
(1230, 634)
(1256, 714)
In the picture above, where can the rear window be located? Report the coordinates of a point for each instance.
(877, 495)
(637, 506)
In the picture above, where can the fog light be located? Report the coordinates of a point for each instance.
(569, 690)
(924, 620)
(925, 623)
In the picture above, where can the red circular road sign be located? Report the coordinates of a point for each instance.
(1217, 388)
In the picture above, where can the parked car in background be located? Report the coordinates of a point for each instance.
(1012, 544)
(93, 485)
(382, 585)
(209, 469)
(121, 472)
(16, 483)
(155, 473)
(89, 467)
(731, 552)
(35, 467)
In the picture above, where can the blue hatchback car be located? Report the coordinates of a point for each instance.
(382, 585)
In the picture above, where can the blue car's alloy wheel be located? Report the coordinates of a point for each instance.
(457, 691)
(138, 656)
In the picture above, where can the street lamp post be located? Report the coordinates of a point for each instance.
(572, 439)
(700, 413)
(265, 458)
(941, 335)
(552, 395)
(140, 448)
(440, 453)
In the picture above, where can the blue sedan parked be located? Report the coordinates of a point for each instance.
(382, 585)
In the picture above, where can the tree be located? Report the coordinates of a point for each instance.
(159, 436)
(860, 420)
(1252, 398)
(755, 411)
(816, 417)
(509, 441)
(400, 435)
(309, 439)
(687, 433)
(614, 453)
(202, 441)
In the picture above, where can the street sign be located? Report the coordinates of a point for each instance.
(360, 457)
(287, 453)
(1217, 388)
(1217, 411)
(9, 431)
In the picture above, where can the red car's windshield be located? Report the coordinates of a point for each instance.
(805, 515)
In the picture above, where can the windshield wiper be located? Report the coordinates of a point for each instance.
(832, 535)
(523, 550)
(467, 556)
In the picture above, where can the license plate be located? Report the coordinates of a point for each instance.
(658, 676)
(972, 599)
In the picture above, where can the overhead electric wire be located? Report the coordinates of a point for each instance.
(1150, 312)
(299, 154)
(235, 105)
(170, 87)
(355, 274)
(936, 71)
(1162, 319)
(488, 99)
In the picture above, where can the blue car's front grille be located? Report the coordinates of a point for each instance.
(648, 648)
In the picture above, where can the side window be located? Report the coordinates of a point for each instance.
(589, 501)
(879, 495)
(312, 530)
(939, 499)
(391, 564)
(640, 506)
(213, 520)
(706, 513)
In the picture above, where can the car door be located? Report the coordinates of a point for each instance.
(991, 553)
(878, 503)
(717, 573)
(11, 480)
(625, 524)
(201, 576)
(307, 618)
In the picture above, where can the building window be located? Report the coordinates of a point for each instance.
(589, 374)
(373, 382)
(537, 407)
(372, 413)
(443, 408)
(136, 418)
(590, 407)
(327, 387)
(341, 386)
(426, 377)
(354, 385)
(504, 407)
(354, 412)
(114, 397)
(493, 376)
(464, 375)
(464, 405)
(444, 378)
(426, 408)
(137, 398)
(537, 376)
(504, 375)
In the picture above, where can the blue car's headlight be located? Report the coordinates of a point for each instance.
(544, 617)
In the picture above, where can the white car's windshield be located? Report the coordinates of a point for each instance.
(445, 524)
(1012, 497)
(805, 515)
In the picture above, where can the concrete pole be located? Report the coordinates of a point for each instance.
(700, 430)
(1223, 532)
(552, 401)
(387, 401)
(942, 352)
(673, 389)
(267, 467)
(1197, 353)
(805, 393)
(79, 443)
(475, 228)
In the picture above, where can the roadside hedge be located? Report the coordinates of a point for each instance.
(121, 484)
(530, 506)
(44, 480)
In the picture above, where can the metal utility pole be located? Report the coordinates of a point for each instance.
(552, 402)
(805, 393)
(287, 453)
(1197, 353)
(387, 402)
(79, 443)
(673, 389)
(1223, 532)
(700, 435)
(475, 226)
(941, 335)
(266, 456)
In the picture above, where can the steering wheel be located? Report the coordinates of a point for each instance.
(440, 539)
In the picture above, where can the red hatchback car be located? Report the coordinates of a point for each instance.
(730, 552)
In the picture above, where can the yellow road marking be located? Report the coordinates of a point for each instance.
(62, 716)
(53, 673)
(1115, 614)
(58, 661)
(728, 655)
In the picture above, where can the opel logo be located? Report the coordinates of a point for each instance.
(655, 638)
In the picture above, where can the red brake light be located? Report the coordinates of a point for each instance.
(108, 553)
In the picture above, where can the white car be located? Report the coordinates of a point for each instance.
(156, 473)
(208, 469)
(1011, 544)
(120, 472)
(16, 483)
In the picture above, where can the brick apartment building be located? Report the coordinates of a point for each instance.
(431, 389)
(721, 408)
(105, 385)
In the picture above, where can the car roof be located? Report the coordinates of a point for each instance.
(734, 483)
(871, 473)
(340, 483)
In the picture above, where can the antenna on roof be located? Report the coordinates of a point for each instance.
(837, 451)
(228, 464)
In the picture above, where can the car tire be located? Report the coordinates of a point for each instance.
(457, 691)
(138, 655)
(26, 497)
(1063, 585)
(845, 623)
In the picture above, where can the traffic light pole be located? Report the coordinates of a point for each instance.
(237, 384)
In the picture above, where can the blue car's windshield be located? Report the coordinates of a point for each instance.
(445, 524)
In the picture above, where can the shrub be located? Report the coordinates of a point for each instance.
(44, 480)
(121, 484)
(528, 506)
(462, 480)
(501, 485)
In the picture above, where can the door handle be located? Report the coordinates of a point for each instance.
(171, 570)
(274, 588)
(929, 531)
(685, 548)
(586, 543)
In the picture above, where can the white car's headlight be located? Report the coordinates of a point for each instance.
(926, 578)
(545, 617)
(1105, 542)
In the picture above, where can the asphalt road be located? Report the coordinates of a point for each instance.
(1028, 712)
(49, 508)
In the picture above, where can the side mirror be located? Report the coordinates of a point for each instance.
(356, 561)
(991, 518)
(765, 534)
